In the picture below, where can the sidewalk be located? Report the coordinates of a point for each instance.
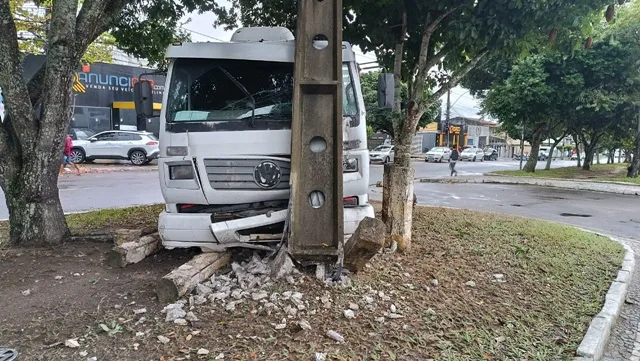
(584, 185)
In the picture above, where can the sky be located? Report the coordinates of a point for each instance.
(201, 29)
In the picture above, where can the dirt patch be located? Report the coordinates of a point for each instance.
(474, 287)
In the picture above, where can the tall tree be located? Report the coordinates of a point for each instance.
(37, 110)
(429, 44)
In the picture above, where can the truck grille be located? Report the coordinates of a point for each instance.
(238, 174)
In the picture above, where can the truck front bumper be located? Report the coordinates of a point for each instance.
(184, 230)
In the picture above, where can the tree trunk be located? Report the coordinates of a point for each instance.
(532, 162)
(553, 149)
(35, 211)
(588, 158)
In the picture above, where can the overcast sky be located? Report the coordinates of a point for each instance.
(201, 29)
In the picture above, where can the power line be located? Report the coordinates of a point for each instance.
(201, 34)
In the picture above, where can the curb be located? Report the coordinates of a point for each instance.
(613, 188)
(595, 340)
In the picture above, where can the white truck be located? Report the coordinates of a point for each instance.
(225, 141)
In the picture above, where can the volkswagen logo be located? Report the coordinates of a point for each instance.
(267, 175)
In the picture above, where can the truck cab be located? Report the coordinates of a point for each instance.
(225, 141)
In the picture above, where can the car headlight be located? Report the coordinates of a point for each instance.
(181, 172)
(349, 165)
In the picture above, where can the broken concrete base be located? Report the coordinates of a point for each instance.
(365, 243)
(282, 265)
(185, 278)
(131, 252)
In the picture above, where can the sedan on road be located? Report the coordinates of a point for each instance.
(382, 154)
(490, 154)
(438, 154)
(472, 154)
(139, 148)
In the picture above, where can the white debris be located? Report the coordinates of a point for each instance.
(26, 292)
(393, 309)
(83, 353)
(92, 358)
(169, 307)
(203, 290)
(163, 340)
(281, 325)
(180, 321)
(231, 306)
(191, 317)
(203, 351)
(135, 346)
(141, 320)
(139, 334)
(470, 284)
(304, 324)
(394, 316)
(379, 319)
(72, 343)
(349, 314)
(59, 278)
(140, 311)
(498, 277)
(291, 311)
(321, 356)
(199, 300)
(219, 357)
(354, 306)
(257, 296)
(174, 314)
(368, 299)
(335, 336)
(434, 282)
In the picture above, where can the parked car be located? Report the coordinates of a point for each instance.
(472, 154)
(80, 133)
(138, 147)
(438, 154)
(490, 154)
(517, 157)
(382, 154)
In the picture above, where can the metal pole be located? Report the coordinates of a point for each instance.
(448, 115)
(317, 228)
(521, 145)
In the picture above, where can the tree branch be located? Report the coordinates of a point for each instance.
(16, 95)
(421, 73)
(458, 76)
(95, 18)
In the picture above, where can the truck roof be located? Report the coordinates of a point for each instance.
(277, 51)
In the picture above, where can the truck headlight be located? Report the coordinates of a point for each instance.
(350, 165)
(177, 151)
(181, 172)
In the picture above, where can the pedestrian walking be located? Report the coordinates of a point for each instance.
(454, 158)
(66, 157)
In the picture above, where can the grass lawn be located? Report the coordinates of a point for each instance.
(555, 279)
(598, 172)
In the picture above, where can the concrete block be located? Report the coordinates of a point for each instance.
(623, 276)
(612, 307)
(593, 344)
(365, 243)
(628, 266)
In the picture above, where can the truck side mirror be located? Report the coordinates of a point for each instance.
(386, 91)
(143, 98)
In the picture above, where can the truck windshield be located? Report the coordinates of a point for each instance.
(226, 95)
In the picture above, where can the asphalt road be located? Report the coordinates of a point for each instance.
(441, 170)
(611, 214)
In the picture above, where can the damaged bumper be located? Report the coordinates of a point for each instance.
(183, 230)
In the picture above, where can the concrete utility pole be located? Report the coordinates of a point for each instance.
(317, 228)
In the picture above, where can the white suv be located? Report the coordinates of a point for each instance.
(138, 147)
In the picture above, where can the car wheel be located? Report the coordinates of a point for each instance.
(387, 160)
(137, 157)
(77, 156)
(474, 159)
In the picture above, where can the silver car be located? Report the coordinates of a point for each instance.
(438, 154)
(472, 154)
(382, 154)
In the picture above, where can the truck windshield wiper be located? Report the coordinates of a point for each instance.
(244, 90)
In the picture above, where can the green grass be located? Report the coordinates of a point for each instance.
(105, 220)
(598, 172)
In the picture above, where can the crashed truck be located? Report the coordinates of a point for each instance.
(225, 141)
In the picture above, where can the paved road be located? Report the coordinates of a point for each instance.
(441, 170)
(614, 214)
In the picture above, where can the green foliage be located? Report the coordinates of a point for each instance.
(380, 119)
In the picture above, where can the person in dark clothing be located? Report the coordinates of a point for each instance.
(454, 158)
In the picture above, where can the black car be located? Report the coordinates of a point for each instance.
(490, 154)
(80, 133)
